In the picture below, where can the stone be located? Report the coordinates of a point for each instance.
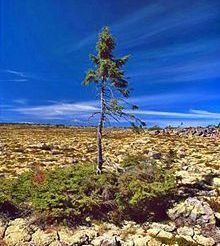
(79, 236)
(188, 177)
(154, 231)
(97, 241)
(154, 242)
(114, 241)
(216, 182)
(205, 241)
(42, 238)
(166, 227)
(17, 233)
(57, 243)
(192, 212)
(185, 230)
(189, 239)
(66, 236)
(165, 235)
(141, 241)
(3, 227)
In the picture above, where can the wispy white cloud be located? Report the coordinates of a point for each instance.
(21, 74)
(170, 98)
(12, 76)
(152, 20)
(17, 76)
(168, 22)
(84, 109)
(205, 113)
(13, 80)
(192, 114)
(57, 110)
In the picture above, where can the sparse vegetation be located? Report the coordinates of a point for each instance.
(48, 177)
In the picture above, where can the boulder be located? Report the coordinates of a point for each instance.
(205, 241)
(58, 243)
(192, 212)
(17, 233)
(196, 221)
(80, 236)
(185, 231)
(42, 238)
(165, 235)
(166, 227)
(154, 242)
(114, 241)
(216, 182)
(137, 240)
(188, 178)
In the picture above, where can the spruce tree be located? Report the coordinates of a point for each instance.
(113, 88)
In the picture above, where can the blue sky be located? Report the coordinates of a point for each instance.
(174, 68)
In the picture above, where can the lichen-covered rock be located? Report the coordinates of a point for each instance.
(154, 242)
(42, 238)
(165, 235)
(114, 241)
(66, 236)
(138, 240)
(185, 240)
(82, 235)
(58, 243)
(186, 231)
(3, 226)
(192, 212)
(17, 233)
(216, 182)
(205, 241)
(196, 221)
(166, 227)
(153, 232)
(97, 241)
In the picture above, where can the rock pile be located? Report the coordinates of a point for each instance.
(192, 223)
(196, 221)
(210, 131)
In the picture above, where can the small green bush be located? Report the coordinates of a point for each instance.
(144, 181)
(75, 193)
(132, 160)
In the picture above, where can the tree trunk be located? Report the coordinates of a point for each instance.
(100, 127)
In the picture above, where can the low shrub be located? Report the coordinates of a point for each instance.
(74, 193)
(132, 160)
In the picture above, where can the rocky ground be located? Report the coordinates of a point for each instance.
(194, 220)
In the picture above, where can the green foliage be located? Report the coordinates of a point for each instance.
(75, 193)
(107, 67)
(132, 160)
(108, 75)
(143, 181)
(72, 191)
